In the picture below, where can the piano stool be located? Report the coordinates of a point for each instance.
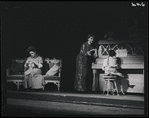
(107, 86)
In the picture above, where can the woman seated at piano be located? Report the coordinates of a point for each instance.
(110, 66)
(33, 75)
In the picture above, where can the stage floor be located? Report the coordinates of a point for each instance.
(128, 100)
(23, 107)
(130, 96)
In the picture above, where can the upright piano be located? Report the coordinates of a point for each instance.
(131, 63)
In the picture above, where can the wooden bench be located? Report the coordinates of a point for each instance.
(18, 79)
(56, 78)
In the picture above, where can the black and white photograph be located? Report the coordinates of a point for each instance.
(74, 58)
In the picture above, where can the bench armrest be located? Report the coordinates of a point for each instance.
(59, 72)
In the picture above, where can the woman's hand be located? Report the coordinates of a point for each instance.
(36, 63)
(32, 65)
(88, 53)
(95, 54)
(92, 50)
(27, 64)
(103, 68)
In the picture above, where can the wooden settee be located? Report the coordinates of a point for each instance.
(17, 76)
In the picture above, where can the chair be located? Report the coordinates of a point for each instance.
(56, 76)
(15, 74)
(107, 86)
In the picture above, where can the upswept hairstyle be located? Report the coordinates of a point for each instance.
(90, 35)
(31, 48)
(111, 53)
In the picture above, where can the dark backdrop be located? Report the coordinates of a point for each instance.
(58, 29)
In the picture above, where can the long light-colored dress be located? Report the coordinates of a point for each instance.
(81, 68)
(110, 66)
(33, 75)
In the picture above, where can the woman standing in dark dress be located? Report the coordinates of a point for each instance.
(81, 64)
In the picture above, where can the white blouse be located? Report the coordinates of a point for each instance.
(109, 62)
(38, 60)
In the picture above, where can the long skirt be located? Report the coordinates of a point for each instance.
(113, 71)
(81, 72)
(34, 79)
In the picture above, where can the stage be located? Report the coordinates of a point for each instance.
(54, 103)
(135, 101)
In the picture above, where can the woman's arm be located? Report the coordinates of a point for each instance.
(104, 65)
(39, 63)
(27, 62)
(84, 50)
(95, 53)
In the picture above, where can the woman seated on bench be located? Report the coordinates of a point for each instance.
(33, 74)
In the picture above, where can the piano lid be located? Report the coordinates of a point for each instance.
(117, 41)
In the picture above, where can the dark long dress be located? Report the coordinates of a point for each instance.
(81, 68)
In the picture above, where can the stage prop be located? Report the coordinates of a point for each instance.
(131, 63)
